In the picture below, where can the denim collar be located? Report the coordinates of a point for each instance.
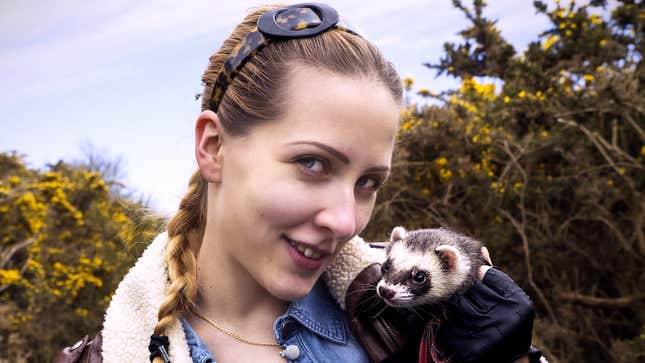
(318, 313)
(198, 350)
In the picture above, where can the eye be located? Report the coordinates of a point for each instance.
(420, 277)
(370, 182)
(312, 165)
(385, 268)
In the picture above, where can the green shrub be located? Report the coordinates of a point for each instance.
(548, 171)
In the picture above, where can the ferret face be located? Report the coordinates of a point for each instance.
(408, 278)
(413, 276)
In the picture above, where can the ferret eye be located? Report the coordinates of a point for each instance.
(420, 277)
(385, 268)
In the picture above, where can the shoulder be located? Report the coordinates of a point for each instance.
(324, 332)
(356, 256)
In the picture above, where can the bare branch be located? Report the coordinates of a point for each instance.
(603, 302)
(520, 227)
(8, 252)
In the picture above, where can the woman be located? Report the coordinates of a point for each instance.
(296, 136)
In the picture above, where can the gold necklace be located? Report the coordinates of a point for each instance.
(232, 334)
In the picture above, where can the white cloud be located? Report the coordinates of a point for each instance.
(40, 51)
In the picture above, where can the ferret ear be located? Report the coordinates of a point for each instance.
(449, 256)
(398, 233)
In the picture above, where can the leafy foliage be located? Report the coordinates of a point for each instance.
(63, 238)
(547, 170)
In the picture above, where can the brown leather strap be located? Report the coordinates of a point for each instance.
(84, 351)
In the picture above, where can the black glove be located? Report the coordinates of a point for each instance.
(491, 322)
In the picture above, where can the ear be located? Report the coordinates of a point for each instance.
(449, 256)
(208, 145)
(398, 233)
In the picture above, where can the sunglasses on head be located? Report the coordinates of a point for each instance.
(294, 21)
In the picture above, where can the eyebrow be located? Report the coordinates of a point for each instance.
(339, 155)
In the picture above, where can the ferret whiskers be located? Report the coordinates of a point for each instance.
(367, 300)
(379, 313)
(412, 309)
(371, 288)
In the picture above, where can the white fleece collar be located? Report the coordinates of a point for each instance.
(131, 317)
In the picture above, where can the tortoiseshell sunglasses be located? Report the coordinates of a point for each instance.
(294, 21)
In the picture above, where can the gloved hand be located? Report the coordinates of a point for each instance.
(491, 322)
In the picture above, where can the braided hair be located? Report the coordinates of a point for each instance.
(256, 95)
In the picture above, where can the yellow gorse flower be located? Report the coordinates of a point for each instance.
(408, 83)
(424, 92)
(8, 277)
(548, 43)
(445, 174)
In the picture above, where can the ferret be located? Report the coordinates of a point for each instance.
(427, 266)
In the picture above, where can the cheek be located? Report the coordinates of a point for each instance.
(363, 214)
(419, 290)
(284, 203)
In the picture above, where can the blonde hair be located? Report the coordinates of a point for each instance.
(258, 95)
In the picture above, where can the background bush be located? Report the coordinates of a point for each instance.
(63, 238)
(539, 154)
(546, 169)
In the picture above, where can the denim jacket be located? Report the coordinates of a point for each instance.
(315, 324)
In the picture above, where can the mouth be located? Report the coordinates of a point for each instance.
(305, 255)
(393, 304)
(400, 303)
(306, 250)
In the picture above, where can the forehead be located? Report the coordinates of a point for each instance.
(353, 114)
(405, 259)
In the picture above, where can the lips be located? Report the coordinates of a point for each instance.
(306, 250)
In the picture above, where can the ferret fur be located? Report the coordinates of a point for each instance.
(450, 262)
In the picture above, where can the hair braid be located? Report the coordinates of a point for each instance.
(257, 95)
(180, 258)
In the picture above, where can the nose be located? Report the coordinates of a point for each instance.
(339, 214)
(385, 293)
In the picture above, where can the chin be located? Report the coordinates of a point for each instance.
(288, 290)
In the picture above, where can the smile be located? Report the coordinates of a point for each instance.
(304, 250)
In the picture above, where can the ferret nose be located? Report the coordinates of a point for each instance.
(385, 293)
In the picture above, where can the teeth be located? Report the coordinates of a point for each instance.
(306, 251)
(310, 253)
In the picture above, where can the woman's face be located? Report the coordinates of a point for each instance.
(295, 190)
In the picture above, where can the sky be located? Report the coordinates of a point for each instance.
(122, 75)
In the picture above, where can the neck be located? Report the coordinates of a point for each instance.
(228, 294)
